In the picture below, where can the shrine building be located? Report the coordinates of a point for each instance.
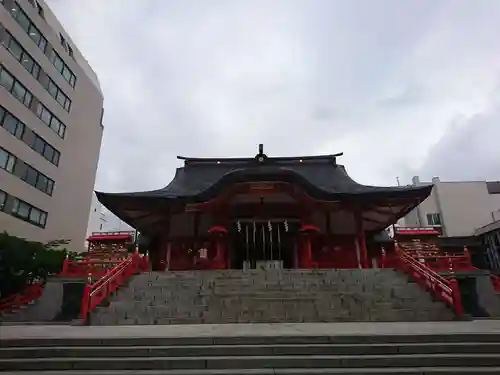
(263, 212)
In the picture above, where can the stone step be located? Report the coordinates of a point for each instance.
(247, 350)
(289, 371)
(275, 314)
(402, 292)
(450, 332)
(250, 362)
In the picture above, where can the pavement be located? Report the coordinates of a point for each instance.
(242, 330)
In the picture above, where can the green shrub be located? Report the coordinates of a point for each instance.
(23, 262)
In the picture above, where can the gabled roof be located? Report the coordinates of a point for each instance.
(201, 180)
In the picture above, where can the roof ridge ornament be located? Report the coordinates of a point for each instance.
(261, 157)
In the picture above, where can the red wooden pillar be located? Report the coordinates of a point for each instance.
(162, 255)
(361, 239)
(306, 257)
(220, 260)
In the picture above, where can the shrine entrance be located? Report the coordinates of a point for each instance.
(263, 244)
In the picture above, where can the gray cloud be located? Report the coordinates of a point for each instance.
(380, 80)
(469, 149)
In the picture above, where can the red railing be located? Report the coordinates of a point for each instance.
(31, 293)
(94, 294)
(448, 263)
(495, 280)
(447, 290)
(444, 263)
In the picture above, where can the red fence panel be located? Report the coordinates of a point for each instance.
(495, 280)
(83, 268)
(447, 290)
(31, 293)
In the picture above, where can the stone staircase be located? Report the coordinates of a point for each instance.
(410, 354)
(257, 296)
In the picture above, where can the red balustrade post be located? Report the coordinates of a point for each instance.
(467, 257)
(455, 289)
(65, 265)
(86, 299)
(145, 262)
(451, 266)
(399, 261)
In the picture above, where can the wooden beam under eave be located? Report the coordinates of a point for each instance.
(370, 220)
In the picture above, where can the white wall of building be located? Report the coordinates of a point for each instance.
(114, 224)
(463, 206)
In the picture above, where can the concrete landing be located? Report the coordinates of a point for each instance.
(444, 348)
(249, 330)
(60, 303)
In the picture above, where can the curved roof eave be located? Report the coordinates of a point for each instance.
(119, 203)
(195, 186)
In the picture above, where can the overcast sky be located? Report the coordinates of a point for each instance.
(401, 87)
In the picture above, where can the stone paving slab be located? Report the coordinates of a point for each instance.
(248, 330)
(320, 371)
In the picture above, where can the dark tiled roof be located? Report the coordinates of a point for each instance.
(201, 180)
(320, 177)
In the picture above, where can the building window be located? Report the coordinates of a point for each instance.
(19, 130)
(40, 10)
(434, 219)
(25, 172)
(62, 68)
(16, 50)
(7, 160)
(12, 125)
(38, 7)
(15, 87)
(27, 212)
(64, 44)
(29, 27)
(24, 21)
(3, 198)
(50, 120)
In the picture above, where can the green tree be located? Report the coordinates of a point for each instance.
(23, 261)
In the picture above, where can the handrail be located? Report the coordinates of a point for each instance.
(97, 292)
(31, 293)
(447, 290)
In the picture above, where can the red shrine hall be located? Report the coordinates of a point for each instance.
(263, 212)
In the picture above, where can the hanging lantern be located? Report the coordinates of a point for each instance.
(217, 229)
(285, 224)
(238, 226)
(269, 226)
(309, 228)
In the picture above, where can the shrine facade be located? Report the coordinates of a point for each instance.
(263, 212)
